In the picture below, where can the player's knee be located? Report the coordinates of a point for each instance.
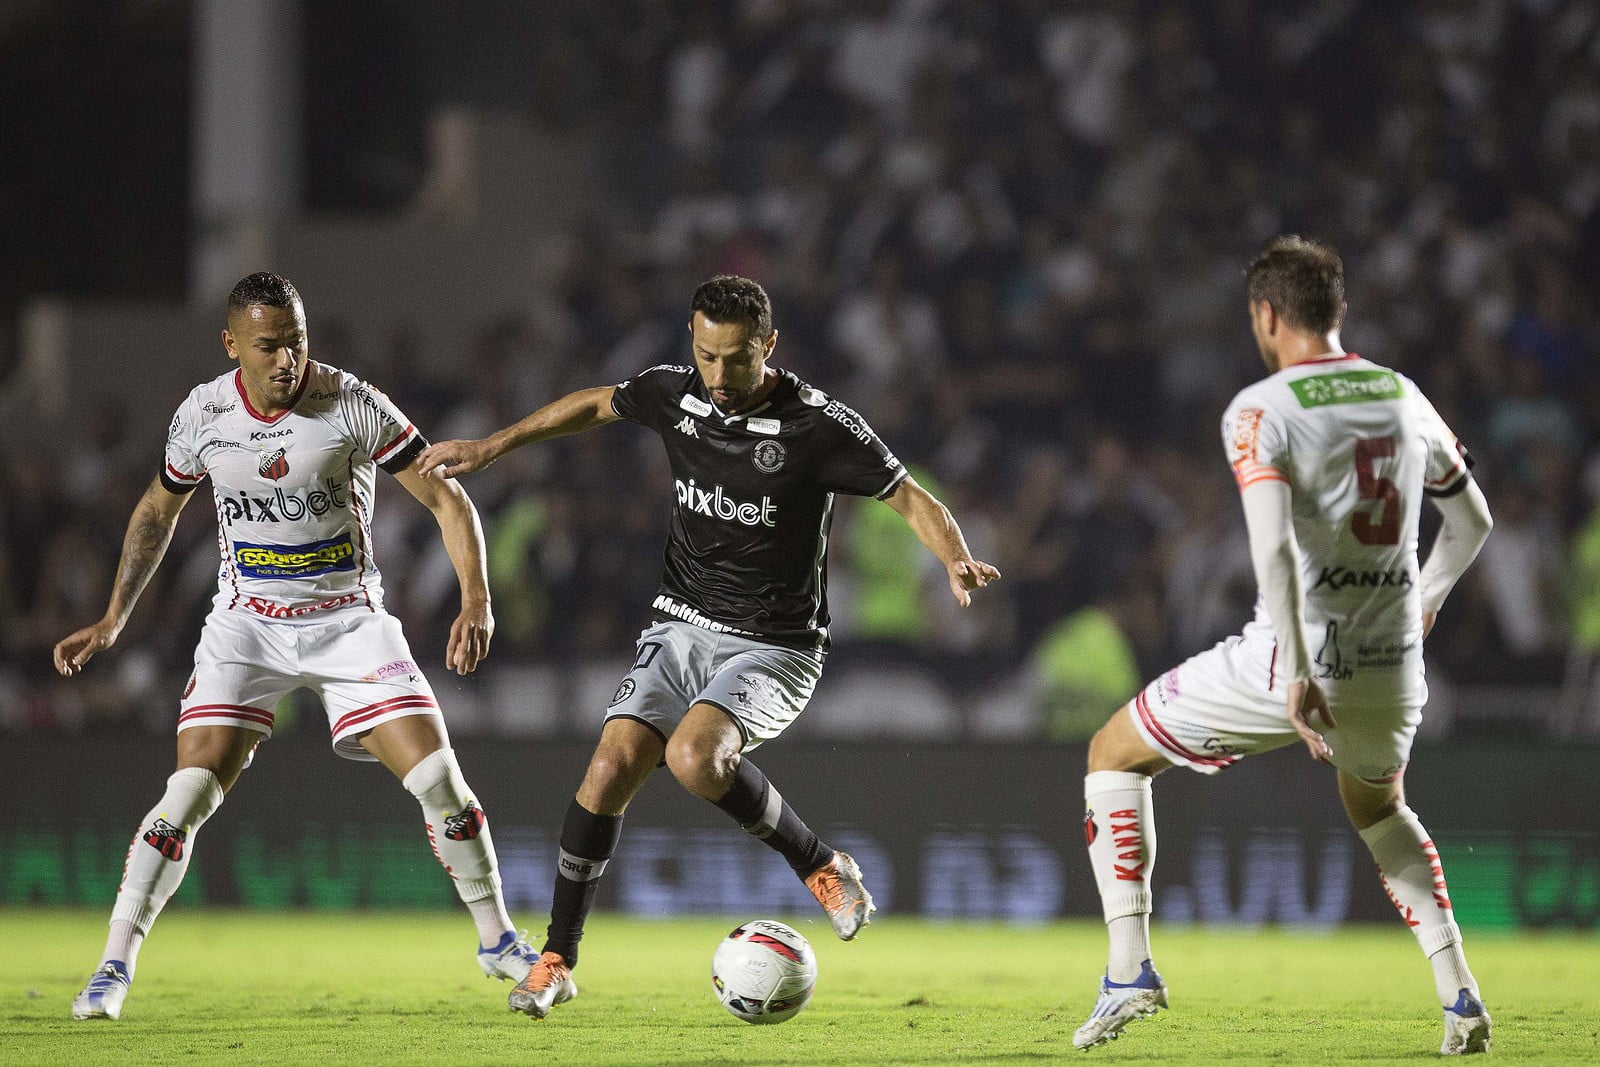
(704, 772)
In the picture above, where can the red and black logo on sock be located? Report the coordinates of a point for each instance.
(166, 839)
(466, 825)
(1090, 831)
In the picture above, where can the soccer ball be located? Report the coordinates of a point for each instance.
(764, 972)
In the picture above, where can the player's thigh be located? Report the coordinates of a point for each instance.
(627, 752)
(362, 669)
(1216, 707)
(1371, 745)
(243, 667)
(225, 751)
(400, 744)
(1367, 803)
(705, 747)
(1119, 746)
(761, 688)
(671, 661)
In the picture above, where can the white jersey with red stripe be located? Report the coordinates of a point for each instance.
(1359, 445)
(293, 491)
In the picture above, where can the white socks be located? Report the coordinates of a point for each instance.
(1120, 828)
(158, 858)
(1409, 866)
(459, 834)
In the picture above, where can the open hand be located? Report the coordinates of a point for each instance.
(73, 651)
(452, 459)
(469, 639)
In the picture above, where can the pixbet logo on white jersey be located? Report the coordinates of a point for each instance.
(715, 503)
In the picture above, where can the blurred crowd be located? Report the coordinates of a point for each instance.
(1012, 235)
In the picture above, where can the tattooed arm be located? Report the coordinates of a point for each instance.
(149, 532)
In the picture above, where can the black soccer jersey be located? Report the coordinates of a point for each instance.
(747, 553)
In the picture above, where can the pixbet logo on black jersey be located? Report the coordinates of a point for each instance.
(715, 503)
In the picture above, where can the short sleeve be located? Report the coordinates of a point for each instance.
(181, 469)
(1255, 441)
(1448, 462)
(856, 461)
(644, 397)
(379, 428)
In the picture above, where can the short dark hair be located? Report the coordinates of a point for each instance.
(262, 287)
(1302, 279)
(730, 298)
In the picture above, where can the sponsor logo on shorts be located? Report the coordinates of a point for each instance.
(768, 456)
(189, 688)
(393, 669)
(275, 464)
(465, 825)
(1381, 655)
(166, 839)
(759, 691)
(624, 691)
(295, 561)
(1167, 687)
(1220, 747)
(1330, 660)
(283, 611)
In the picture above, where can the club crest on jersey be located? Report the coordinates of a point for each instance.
(465, 825)
(687, 427)
(768, 456)
(274, 464)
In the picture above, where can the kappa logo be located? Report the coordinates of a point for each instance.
(624, 691)
(687, 427)
(166, 839)
(465, 825)
(274, 464)
(768, 456)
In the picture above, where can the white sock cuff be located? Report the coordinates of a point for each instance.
(1381, 830)
(1097, 782)
(140, 911)
(432, 771)
(1120, 905)
(470, 889)
(202, 789)
(1436, 939)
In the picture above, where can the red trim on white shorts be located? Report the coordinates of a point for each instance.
(239, 713)
(361, 716)
(1170, 743)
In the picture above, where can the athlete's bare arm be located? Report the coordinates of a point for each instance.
(573, 413)
(1276, 555)
(1465, 527)
(149, 533)
(935, 527)
(463, 539)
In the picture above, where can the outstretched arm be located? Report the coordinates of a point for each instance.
(1465, 528)
(935, 527)
(1276, 555)
(463, 540)
(149, 533)
(573, 413)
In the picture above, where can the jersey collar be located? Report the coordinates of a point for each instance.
(238, 383)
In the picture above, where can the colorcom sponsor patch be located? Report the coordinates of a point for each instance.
(1346, 387)
(295, 561)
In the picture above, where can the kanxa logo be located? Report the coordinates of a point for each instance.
(466, 824)
(1345, 578)
(715, 503)
(166, 839)
(275, 464)
(267, 435)
(285, 507)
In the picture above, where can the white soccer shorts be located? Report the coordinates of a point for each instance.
(1228, 702)
(358, 664)
(762, 687)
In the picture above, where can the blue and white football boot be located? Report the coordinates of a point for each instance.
(1120, 1004)
(511, 959)
(102, 998)
(1466, 1027)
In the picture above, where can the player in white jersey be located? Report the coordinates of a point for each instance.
(291, 448)
(1332, 455)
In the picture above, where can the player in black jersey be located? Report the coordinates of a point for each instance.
(739, 628)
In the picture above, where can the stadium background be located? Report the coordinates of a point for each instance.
(1011, 234)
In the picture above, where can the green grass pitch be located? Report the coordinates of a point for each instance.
(217, 986)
